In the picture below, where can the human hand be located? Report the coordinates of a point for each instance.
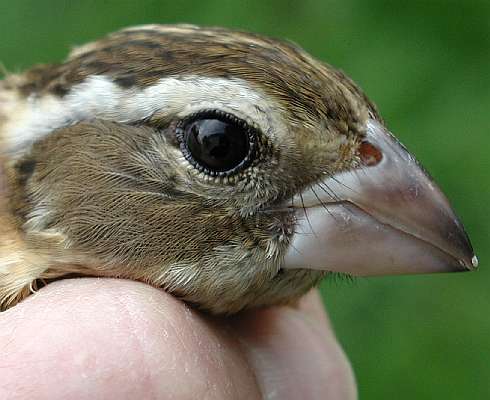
(117, 339)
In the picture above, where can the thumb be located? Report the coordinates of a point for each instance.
(294, 352)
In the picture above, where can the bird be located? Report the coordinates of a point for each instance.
(230, 169)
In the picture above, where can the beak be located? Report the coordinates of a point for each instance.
(386, 217)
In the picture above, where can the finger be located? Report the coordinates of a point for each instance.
(116, 339)
(312, 306)
(295, 354)
(102, 339)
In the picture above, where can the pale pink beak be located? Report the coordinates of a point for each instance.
(387, 218)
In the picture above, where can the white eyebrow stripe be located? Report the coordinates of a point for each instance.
(99, 97)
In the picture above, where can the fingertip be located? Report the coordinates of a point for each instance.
(108, 338)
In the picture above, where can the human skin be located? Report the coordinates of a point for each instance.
(115, 339)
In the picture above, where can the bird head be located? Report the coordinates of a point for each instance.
(231, 169)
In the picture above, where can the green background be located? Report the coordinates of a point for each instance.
(427, 66)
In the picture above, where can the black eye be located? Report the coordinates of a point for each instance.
(216, 143)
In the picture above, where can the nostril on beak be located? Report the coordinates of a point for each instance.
(369, 154)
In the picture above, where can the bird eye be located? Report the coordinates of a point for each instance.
(216, 143)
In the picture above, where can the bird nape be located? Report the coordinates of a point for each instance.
(232, 170)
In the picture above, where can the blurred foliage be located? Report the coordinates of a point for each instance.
(427, 66)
